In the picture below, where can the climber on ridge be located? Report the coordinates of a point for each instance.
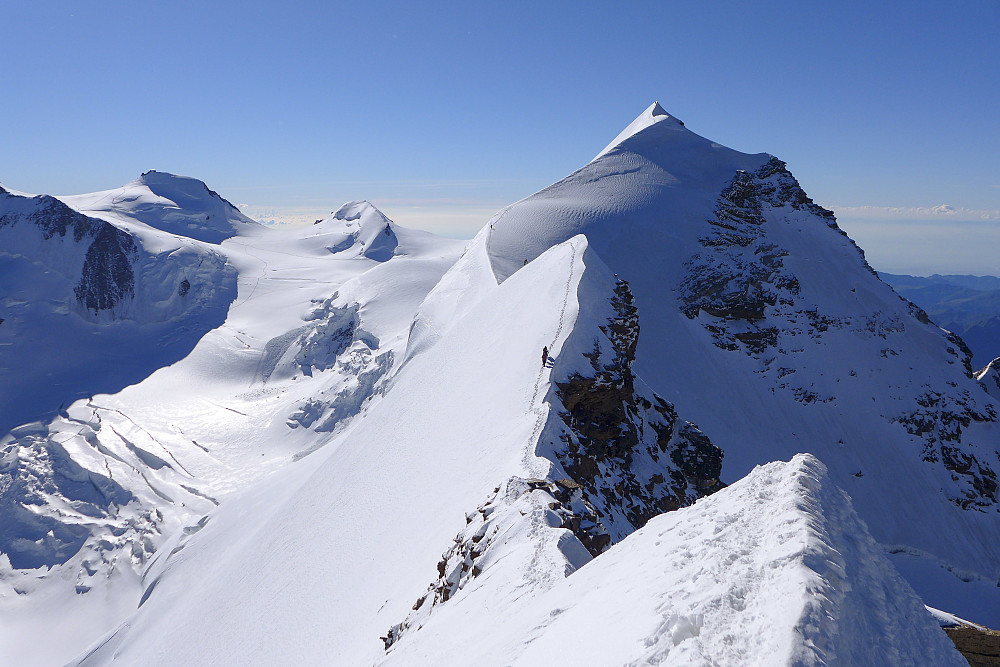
(545, 355)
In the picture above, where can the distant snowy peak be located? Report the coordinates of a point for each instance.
(358, 229)
(176, 204)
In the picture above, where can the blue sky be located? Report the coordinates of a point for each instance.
(443, 112)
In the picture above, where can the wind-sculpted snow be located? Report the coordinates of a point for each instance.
(777, 569)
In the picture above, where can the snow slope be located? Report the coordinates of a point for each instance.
(777, 569)
(115, 475)
(353, 540)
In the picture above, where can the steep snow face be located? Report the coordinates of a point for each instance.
(176, 204)
(88, 307)
(775, 570)
(354, 533)
(773, 334)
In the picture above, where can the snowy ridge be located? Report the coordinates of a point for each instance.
(775, 331)
(630, 458)
(366, 460)
(777, 569)
(654, 114)
(416, 456)
(989, 377)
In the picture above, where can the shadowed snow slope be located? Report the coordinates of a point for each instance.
(91, 305)
(776, 570)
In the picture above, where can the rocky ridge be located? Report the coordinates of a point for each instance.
(620, 456)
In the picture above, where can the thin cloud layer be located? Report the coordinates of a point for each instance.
(942, 211)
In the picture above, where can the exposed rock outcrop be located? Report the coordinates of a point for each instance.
(107, 279)
(626, 448)
(980, 646)
(627, 454)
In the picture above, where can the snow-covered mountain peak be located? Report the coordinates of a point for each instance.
(359, 229)
(652, 115)
(356, 210)
(179, 205)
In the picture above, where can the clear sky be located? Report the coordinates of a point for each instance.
(440, 113)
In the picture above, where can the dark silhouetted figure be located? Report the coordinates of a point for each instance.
(545, 355)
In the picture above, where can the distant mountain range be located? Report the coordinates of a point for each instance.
(966, 305)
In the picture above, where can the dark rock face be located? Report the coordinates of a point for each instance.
(741, 273)
(980, 646)
(740, 290)
(107, 277)
(473, 548)
(34, 468)
(939, 421)
(628, 451)
(53, 217)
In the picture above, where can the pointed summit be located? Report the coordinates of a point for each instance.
(652, 115)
